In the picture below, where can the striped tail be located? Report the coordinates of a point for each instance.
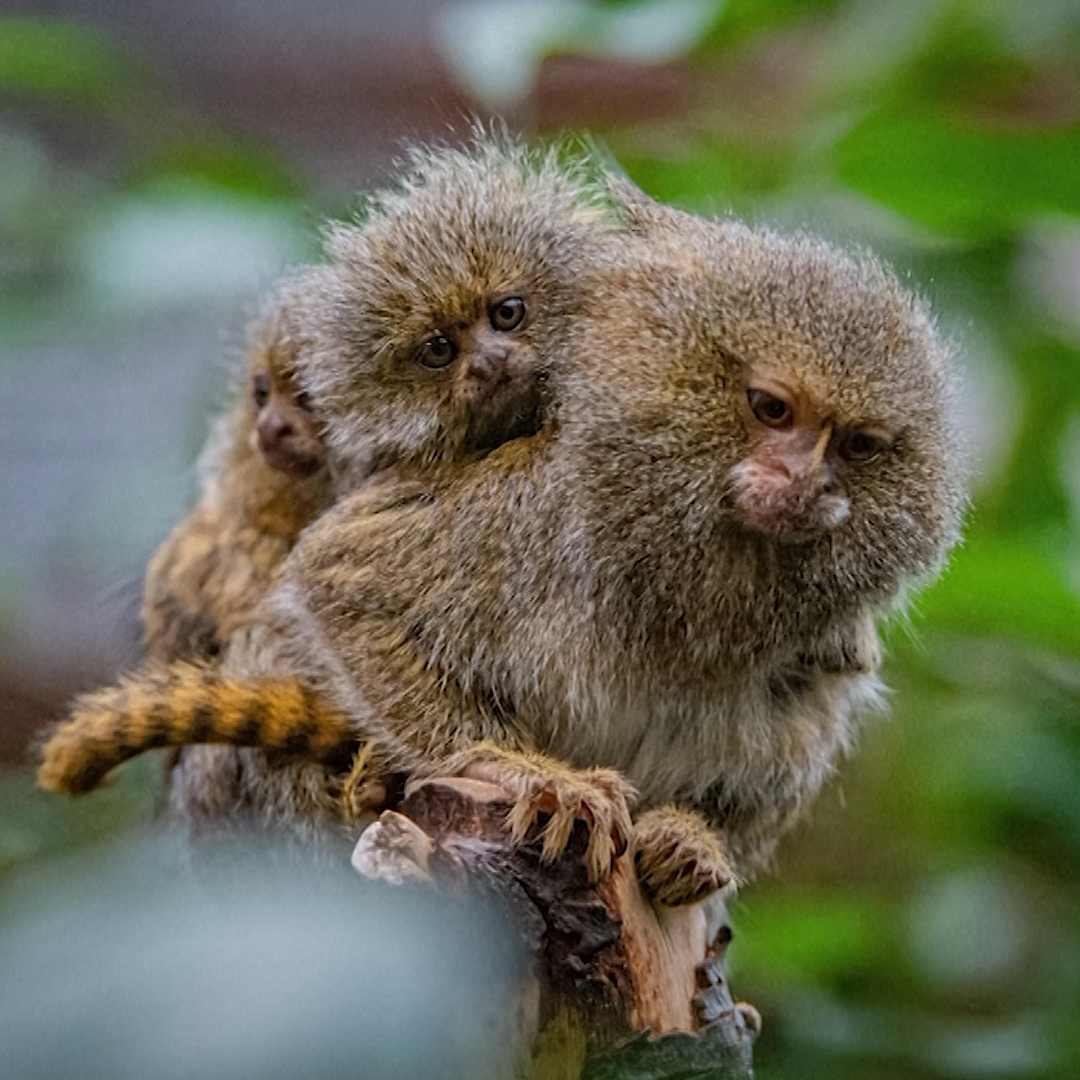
(181, 704)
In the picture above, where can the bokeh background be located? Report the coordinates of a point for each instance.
(160, 163)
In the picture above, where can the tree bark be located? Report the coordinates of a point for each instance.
(617, 987)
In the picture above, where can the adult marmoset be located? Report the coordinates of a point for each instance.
(756, 452)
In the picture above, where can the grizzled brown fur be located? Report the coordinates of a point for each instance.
(463, 231)
(592, 594)
(606, 592)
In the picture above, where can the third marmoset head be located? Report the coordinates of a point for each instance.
(283, 429)
(428, 333)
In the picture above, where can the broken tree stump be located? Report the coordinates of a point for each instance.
(618, 987)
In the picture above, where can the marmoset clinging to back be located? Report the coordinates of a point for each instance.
(265, 477)
(756, 450)
(426, 338)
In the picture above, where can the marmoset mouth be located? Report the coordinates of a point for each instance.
(788, 509)
(296, 460)
(794, 521)
(511, 410)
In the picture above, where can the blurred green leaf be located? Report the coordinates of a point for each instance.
(55, 59)
(801, 938)
(958, 178)
(242, 167)
(1009, 589)
(709, 175)
(1027, 772)
(742, 19)
(1032, 495)
(966, 58)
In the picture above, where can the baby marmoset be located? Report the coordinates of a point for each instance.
(264, 479)
(425, 338)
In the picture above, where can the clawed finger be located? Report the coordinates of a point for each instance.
(539, 786)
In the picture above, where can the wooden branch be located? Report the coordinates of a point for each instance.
(618, 987)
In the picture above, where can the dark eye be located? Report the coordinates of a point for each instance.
(260, 390)
(862, 446)
(772, 411)
(509, 314)
(302, 401)
(437, 352)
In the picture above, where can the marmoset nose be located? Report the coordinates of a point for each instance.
(799, 455)
(488, 364)
(273, 427)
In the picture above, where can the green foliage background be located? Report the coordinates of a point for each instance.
(926, 922)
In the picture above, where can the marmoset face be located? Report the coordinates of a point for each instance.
(436, 319)
(284, 430)
(793, 485)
